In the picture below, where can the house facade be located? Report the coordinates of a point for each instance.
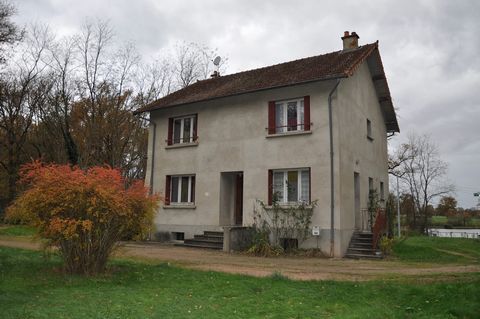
(310, 129)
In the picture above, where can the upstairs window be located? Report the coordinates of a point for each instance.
(182, 130)
(180, 189)
(289, 186)
(289, 115)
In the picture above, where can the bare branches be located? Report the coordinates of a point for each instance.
(9, 32)
(422, 172)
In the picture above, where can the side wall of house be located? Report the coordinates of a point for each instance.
(357, 102)
(233, 138)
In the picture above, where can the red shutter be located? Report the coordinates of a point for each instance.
(193, 189)
(271, 117)
(167, 189)
(195, 120)
(170, 132)
(270, 186)
(306, 113)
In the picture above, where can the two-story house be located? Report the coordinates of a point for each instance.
(310, 129)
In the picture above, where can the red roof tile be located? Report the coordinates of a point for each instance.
(321, 67)
(339, 64)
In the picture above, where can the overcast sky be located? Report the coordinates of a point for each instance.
(430, 51)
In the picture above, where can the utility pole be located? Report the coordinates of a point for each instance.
(398, 208)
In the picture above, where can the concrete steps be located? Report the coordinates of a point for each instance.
(360, 247)
(209, 240)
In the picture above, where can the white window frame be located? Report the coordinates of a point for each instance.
(193, 119)
(179, 194)
(299, 184)
(284, 107)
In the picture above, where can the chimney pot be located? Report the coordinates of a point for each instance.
(350, 41)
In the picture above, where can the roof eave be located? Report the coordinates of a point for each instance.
(152, 107)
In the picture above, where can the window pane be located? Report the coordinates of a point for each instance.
(305, 196)
(292, 186)
(186, 130)
(184, 189)
(176, 130)
(174, 194)
(279, 122)
(292, 116)
(278, 183)
(301, 115)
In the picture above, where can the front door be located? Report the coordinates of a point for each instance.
(239, 199)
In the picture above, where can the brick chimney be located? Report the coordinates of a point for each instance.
(350, 41)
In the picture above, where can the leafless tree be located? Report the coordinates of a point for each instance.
(193, 62)
(22, 91)
(423, 174)
(9, 31)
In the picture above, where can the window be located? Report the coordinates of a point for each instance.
(180, 189)
(290, 186)
(369, 130)
(370, 184)
(182, 130)
(289, 115)
(382, 192)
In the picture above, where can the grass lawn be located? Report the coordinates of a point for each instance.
(438, 250)
(30, 287)
(16, 230)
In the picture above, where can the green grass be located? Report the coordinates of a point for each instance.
(438, 250)
(30, 287)
(16, 230)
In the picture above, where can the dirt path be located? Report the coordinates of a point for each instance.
(300, 268)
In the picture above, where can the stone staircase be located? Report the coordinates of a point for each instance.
(209, 239)
(361, 247)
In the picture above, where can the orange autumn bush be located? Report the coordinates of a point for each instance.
(82, 212)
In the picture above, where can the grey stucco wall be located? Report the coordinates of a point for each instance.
(357, 102)
(233, 137)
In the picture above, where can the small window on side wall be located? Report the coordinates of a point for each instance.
(289, 115)
(369, 130)
(182, 130)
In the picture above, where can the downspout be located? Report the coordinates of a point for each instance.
(332, 179)
(150, 191)
(152, 166)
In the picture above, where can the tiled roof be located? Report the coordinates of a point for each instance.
(339, 64)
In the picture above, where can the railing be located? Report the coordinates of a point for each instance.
(182, 140)
(379, 226)
(365, 224)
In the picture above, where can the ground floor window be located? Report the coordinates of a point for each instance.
(180, 189)
(290, 185)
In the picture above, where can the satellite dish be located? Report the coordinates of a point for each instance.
(217, 60)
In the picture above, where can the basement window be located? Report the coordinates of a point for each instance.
(178, 235)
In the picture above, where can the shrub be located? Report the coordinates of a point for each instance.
(386, 245)
(82, 212)
(278, 226)
(261, 245)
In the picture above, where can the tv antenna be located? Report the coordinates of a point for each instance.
(216, 61)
